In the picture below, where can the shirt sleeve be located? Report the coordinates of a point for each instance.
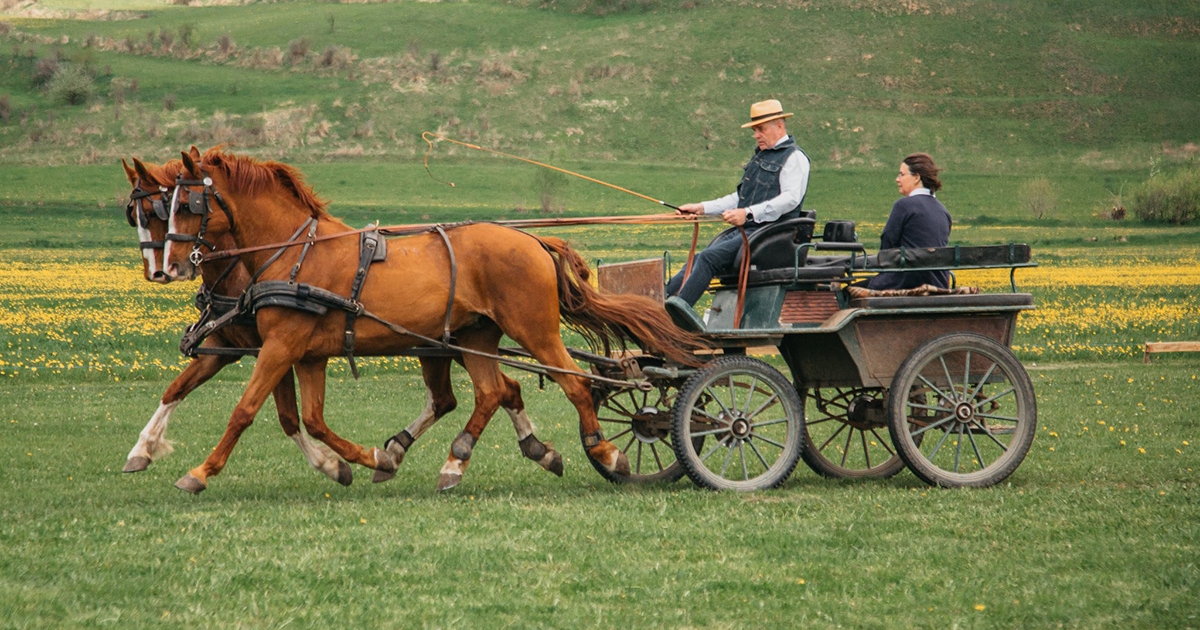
(721, 204)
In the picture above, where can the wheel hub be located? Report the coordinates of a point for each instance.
(650, 425)
(964, 412)
(740, 428)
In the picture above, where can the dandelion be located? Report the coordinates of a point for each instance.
(980, 607)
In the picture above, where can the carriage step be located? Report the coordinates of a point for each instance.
(683, 314)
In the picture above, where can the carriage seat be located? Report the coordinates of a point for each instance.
(774, 246)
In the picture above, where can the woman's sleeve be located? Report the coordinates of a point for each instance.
(893, 229)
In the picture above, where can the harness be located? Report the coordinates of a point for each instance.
(317, 301)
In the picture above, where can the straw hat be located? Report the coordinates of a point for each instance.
(765, 111)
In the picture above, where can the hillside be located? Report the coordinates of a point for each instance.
(1103, 90)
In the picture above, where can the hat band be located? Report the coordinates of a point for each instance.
(761, 116)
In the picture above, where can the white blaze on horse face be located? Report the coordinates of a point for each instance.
(144, 235)
(170, 228)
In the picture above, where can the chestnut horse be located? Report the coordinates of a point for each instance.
(505, 282)
(220, 279)
(147, 212)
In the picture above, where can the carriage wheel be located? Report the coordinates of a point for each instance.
(962, 412)
(639, 423)
(754, 420)
(845, 434)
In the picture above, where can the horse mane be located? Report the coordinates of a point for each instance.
(254, 176)
(164, 174)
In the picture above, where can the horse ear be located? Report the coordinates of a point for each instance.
(195, 153)
(141, 170)
(189, 165)
(129, 172)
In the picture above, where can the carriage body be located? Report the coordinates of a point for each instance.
(877, 383)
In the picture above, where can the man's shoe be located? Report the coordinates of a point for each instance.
(683, 314)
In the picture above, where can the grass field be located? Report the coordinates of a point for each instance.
(1096, 529)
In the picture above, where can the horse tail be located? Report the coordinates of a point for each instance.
(608, 319)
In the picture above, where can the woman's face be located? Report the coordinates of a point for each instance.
(906, 180)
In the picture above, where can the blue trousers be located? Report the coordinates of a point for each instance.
(716, 259)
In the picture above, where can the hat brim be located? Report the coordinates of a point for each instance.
(755, 123)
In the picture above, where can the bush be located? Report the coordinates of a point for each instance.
(71, 84)
(1039, 198)
(298, 50)
(1169, 199)
(44, 69)
(5, 109)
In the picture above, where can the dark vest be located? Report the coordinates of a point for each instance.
(760, 181)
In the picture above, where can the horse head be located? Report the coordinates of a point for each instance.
(211, 189)
(191, 219)
(148, 212)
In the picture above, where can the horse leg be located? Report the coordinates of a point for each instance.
(273, 363)
(152, 443)
(439, 401)
(319, 456)
(311, 375)
(532, 448)
(542, 340)
(489, 391)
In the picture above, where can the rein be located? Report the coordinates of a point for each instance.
(418, 228)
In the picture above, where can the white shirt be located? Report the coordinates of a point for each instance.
(793, 183)
(920, 191)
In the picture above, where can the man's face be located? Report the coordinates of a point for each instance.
(768, 133)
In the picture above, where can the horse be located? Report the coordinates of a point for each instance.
(147, 212)
(480, 280)
(225, 284)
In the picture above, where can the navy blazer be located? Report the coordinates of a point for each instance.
(915, 222)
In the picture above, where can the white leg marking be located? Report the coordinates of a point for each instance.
(521, 423)
(454, 466)
(152, 442)
(423, 421)
(319, 456)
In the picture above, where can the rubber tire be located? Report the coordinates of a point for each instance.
(696, 391)
(914, 452)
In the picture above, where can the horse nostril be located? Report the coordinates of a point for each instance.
(160, 277)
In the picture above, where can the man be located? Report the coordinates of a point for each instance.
(772, 188)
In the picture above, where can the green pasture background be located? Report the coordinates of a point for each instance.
(1097, 529)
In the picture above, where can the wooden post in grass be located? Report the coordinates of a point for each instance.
(1169, 346)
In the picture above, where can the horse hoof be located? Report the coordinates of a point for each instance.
(188, 483)
(345, 475)
(447, 481)
(622, 466)
(137, 463)
(556, 465)
(381, 476)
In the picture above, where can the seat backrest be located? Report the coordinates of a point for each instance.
(774, 246)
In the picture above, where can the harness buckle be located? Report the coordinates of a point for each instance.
(196, 257)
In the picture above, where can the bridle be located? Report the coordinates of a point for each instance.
(198, 205)
(135, 211)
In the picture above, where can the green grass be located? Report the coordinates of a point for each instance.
(1096, 529)
(1089, 532)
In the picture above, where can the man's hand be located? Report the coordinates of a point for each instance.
(692, 208)
(735, 217)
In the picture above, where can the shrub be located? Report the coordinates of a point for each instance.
(71, 84)
(298, 50)
(1169, 199)
(44, 69)
(5, 108)
(169, 102)
(1039, 198)
(225, 45)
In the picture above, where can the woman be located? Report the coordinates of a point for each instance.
(918, 220)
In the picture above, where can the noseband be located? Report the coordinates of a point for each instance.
(197, 205)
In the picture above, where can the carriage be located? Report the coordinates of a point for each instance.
(931, 367)
(933, 372)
